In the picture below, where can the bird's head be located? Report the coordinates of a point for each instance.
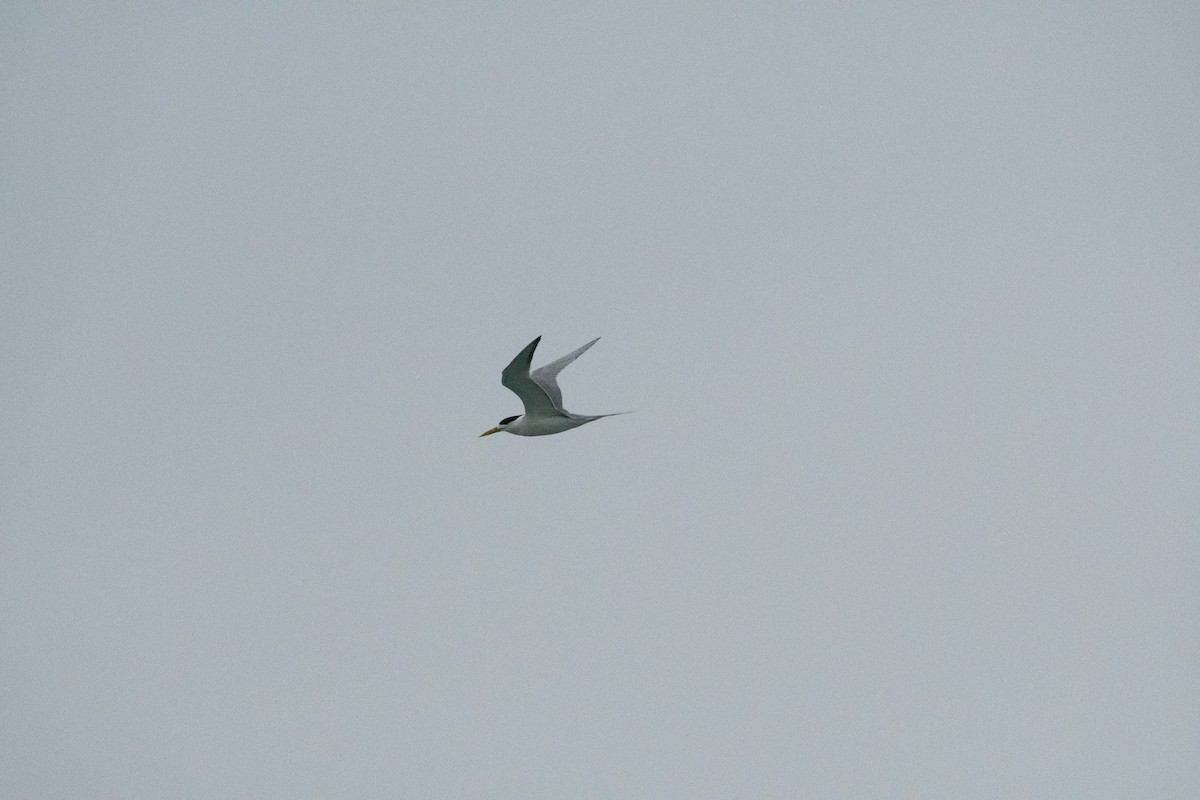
(504, 423)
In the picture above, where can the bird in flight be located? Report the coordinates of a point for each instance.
(538, 390)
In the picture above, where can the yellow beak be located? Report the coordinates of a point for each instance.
(489, 433)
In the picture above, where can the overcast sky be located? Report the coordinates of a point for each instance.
(906, 297)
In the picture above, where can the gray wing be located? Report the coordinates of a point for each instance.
(547, 376)
(516, 377)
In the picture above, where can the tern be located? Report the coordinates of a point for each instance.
(538, 390)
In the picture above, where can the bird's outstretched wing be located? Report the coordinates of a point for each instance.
(516, 377)
(547, 376)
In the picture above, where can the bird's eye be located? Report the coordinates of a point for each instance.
(507, 420)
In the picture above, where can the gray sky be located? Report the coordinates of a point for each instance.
(907, 300)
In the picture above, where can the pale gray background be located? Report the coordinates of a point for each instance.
(906, 297)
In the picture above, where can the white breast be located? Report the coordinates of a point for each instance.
(544, 426)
